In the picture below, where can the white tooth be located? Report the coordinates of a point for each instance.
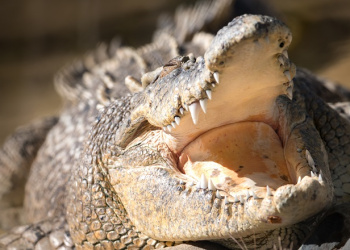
(204, 182)
(290, 92)
(312, 174)
(241, 199)
(198, 185)
(164, 128)
(208, 91)
(203, 103)
(254, 195)
(216, 76)
(185, 106)
(213, 85)
(287, 74)
(211, 185)
(177, 120)
(280, 59)
(173, 124)
(236, 198)
(285, 53)
(320, 179)
(218, 195)
(247, 194)
(194, 110)
(299, 179)
(310, 160)
(169, 127)
(181, 111)
(268, 191)
(225, 200)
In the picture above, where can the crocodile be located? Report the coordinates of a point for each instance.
(217, 139)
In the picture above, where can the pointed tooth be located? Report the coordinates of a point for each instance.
(312, 174)
(213, 85)
(185, 106)
(299, 179)
(208, 91)
(164, 128)
(285, 53)
(268, 191)
(309, 159)
(320, 179)
(247, 194)
(194, 110)
(236, 198)
(211, 185)
(177, 120)
(290, 92)
(280, 59)
(254, 195)
(218, 195)
(173, 124)
(287, 74)
(198, 185)
(204, 182)
(203, 103)
(226, 200)
(216, 76)
(181, 111)
(169, 127)
(241, 199)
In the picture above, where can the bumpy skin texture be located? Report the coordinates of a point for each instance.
(106, 176)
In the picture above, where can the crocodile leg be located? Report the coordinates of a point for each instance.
(16, 157)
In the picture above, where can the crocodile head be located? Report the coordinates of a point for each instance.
(215, 146)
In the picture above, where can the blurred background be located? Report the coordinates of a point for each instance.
(39, 37)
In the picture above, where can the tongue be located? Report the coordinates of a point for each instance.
(237, 156)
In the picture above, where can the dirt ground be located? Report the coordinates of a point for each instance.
(39, 37)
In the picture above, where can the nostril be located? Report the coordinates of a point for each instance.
(281, 44)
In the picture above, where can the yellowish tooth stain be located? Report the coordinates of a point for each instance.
(237, 156)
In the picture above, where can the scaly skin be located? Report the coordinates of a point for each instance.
(139, 177)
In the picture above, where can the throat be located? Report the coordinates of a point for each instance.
(236, 157)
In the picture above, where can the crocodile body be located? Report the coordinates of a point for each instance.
(195, 137)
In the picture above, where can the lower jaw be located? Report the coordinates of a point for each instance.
(238, 157)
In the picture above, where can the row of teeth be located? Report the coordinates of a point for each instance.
(204, 183)
(194, 107)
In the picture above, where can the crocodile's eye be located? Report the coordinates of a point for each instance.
(281, 44)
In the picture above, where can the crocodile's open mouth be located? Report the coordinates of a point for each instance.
(244, 145)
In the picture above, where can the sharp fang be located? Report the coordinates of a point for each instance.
(241, 199)
(248, 194)
(280, 59)
(287, 74)
(181, 111)
(198, 185)
(320, 179)
(204, 182)
(216, 76)
(203, 103)
(208, 93)
(185, 106)
(213, 85)
(312, 174)
(211, 185)
(268, 191)
(177, 120)
(254, 195)
(285, 53)
(194, 110)
(226, 200)
(299, 179)
(218, 195)
(310, 160)
(290, 92)
(169, 127)
(173, 124)
(236, 198)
